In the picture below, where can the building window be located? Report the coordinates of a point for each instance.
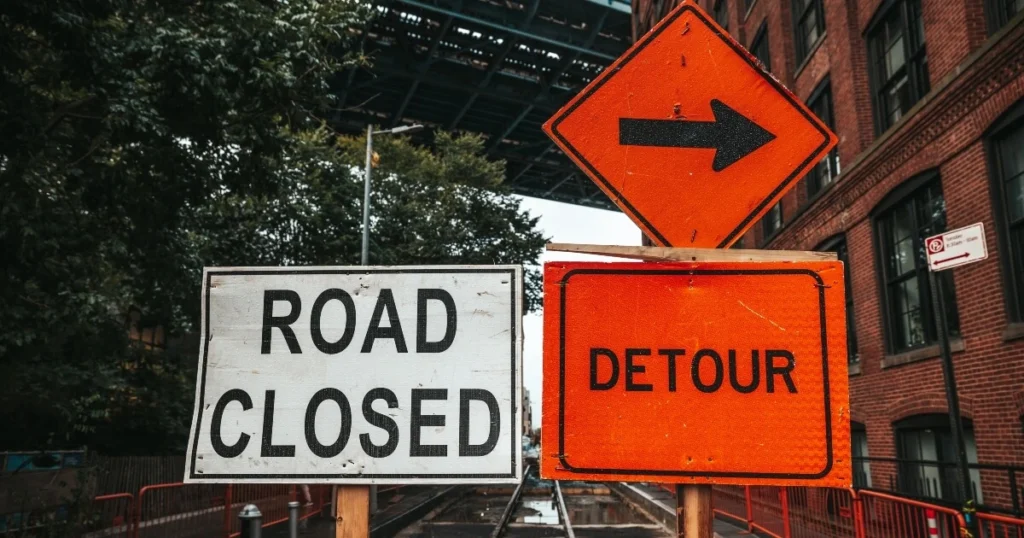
(772, 221)
(809, 25)
(838, 245)
(861, 462)
(825, 172)
(909, 214)
(1000, 12)
(899, 65)
(759, 47)
(1006, 150)
(721, 14)
(927, 458)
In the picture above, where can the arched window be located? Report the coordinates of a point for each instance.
(1005, 145)
(927, 456)
(837, 244)
(861, 461)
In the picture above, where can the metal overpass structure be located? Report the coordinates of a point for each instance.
(500, 68)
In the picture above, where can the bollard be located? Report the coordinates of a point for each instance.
(251, 521)
(293, 519)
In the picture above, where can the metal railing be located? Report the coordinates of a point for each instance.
(996, 526)
(800, 512)
(996, 488)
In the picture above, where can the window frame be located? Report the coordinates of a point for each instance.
(832, 244)
(823, 91)
(803, 50)
(766, 233)
(761, 35)
(915, 59)
(996, 16)
(945, 463)
(904, 193)
(715, 14)
(1013, 281)
(861, 463)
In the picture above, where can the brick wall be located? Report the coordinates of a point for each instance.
(974, 79)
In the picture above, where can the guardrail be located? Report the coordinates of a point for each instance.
(800, 512)
(996, 526)
(111, 516)
(178, 509)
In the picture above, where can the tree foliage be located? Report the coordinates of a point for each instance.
(141, 140)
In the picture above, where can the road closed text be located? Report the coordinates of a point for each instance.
(359, 375)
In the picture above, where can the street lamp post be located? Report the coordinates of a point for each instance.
(365, 257)
(366, 181)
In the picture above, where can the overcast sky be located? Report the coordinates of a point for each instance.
(564, 223)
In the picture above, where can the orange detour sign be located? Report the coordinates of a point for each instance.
(726, 373)
(688, 135)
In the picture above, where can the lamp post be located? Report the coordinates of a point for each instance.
(366, 180)
(365, 258)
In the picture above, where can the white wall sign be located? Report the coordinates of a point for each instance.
(359, 375)
(955, 248)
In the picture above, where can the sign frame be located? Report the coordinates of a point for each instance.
(515, 474)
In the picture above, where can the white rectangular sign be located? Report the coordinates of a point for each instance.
(359, 375)
(955, 248)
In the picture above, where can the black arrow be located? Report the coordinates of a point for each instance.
(732, 134)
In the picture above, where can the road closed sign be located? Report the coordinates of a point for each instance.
(359, 376)
(728, 373)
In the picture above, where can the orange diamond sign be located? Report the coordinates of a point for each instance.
(688, 135)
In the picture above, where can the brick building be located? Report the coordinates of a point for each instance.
(927, 98)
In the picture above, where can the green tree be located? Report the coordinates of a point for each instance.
(141, 140)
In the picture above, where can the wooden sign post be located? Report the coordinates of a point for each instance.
(694, 515)
(353, 519)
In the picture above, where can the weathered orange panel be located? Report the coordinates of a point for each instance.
(688, 135)
(728, 373)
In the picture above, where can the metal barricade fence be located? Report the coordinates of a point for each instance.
(178, 509)
(996, 526)
(111, 516)
(731, 502)
(822, 512)
(272, 500)
(884, 516)
(800, 512)
(769, 510)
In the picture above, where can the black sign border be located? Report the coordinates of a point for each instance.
(646, 40)
(819, 283)
(516, 441)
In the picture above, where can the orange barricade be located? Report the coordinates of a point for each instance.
(173, 509)
(111, 515)
(883, 516)
(731, 502)
(995, 526)
(769, 511)
(822, 512)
